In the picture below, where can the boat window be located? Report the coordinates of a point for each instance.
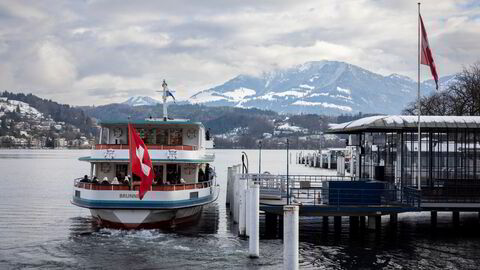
(158, 170)
(121, 170)
(173, 173)
(141, 133)
(176, 136)
(151, 138)
(162, 136)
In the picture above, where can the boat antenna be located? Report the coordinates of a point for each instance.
(164, 98)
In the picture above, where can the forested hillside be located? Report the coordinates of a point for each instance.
(58, 112)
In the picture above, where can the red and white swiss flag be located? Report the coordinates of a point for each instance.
(140, 161)
(426, 56)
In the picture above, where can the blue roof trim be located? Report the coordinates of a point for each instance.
(149, 122)
(109, 204)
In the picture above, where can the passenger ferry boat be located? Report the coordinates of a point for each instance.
(184, 182)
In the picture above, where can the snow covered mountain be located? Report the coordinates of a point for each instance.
(141, 101)
(327, 87)
(22, 108)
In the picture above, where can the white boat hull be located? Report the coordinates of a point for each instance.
(144, 218)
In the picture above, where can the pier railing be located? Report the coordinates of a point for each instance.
(313, 190)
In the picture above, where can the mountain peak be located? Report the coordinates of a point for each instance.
(323, 86)
(141, 101)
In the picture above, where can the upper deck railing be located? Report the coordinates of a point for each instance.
(149, 146)
(136, 185)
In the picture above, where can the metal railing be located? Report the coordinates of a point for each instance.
(136, 185)
(314, 190)
(295, 181)
(149, 146)
(355, 197)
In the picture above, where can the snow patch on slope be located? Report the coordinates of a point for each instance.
(239, 94)
(287, 126)
(141, 101)
(306, 86)
(323, 104)
(344, 90)
(206, 96)
(25, 108)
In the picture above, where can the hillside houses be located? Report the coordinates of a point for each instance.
(24, 126)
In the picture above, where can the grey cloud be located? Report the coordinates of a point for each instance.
(104, 51)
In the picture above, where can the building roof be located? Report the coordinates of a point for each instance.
(384, 123)
(150, 121)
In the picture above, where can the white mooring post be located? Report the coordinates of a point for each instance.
(248, 203)
(235, 197)
(242, 204)
(229, 188)
(254, 240)
(290, 237)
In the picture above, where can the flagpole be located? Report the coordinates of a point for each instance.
(164, 97)
(418, 103)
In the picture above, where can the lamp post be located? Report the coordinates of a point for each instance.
(259, 157)
(288, 181)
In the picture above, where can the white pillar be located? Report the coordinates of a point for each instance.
(91, 170)
(340, 165)
(229, 183)
(248, 202)
(329, 159)
(235, 196)
(290, 237)
(254, 240)
(351, 162)
(242, 204)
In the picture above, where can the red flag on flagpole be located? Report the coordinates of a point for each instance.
(426, 54)
(140, 161)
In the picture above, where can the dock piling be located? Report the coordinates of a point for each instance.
(354, 221)
(456, 218)
(248, 206)
(393, 218)
(242, 216)
(254, 240)
(373, 222)
(290, 237)
(337, 223)
(325, 222)
(433, 218)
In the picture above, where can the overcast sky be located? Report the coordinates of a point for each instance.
(98, 52)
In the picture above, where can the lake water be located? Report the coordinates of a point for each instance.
(40, 229)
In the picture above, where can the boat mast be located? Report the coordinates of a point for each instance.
(165, 114)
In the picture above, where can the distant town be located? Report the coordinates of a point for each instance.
(23, 126)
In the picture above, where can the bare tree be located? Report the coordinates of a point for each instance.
(460, 98)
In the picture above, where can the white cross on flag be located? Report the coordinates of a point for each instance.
(140, 161)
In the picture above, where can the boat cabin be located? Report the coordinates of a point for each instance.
(177, 149)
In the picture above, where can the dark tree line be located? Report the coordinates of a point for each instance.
(460, 98)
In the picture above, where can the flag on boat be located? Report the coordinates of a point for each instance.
(426, 56)
(140, 161)
(170, 94)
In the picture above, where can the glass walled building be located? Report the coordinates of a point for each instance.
(385, 148)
